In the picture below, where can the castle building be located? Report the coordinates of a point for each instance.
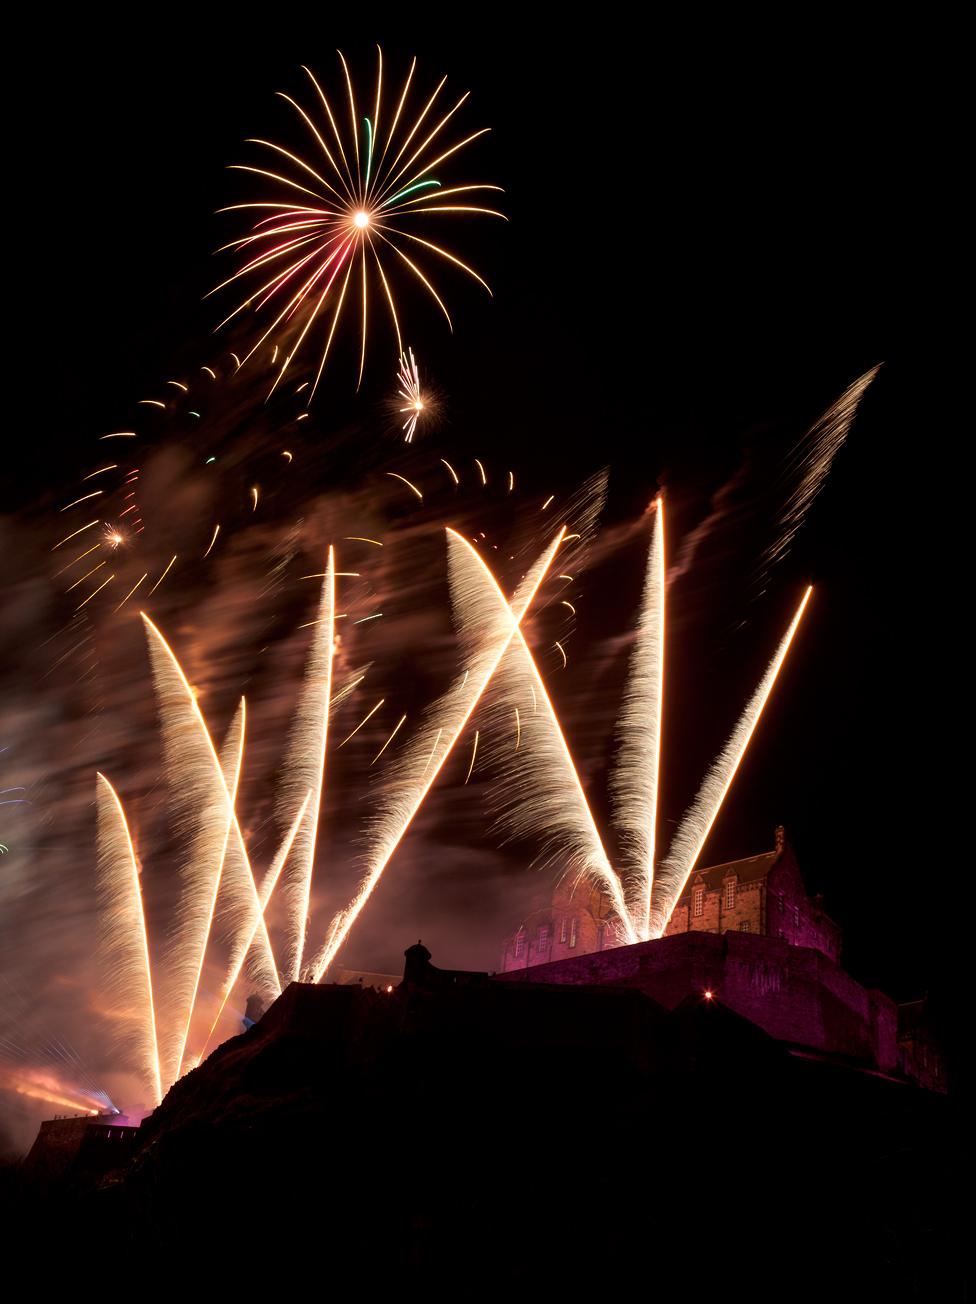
(762, 894)
(745, 933)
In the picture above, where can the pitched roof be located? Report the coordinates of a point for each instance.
(746, 871)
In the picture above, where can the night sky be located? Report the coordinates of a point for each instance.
(705, 246)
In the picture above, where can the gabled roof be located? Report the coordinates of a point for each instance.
(746, 871)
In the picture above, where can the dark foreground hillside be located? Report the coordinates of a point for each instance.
(477, 1132)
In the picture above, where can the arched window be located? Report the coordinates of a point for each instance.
(520, 943)
(699, 901)
(572, 932)
(730, 894)
(542, 941)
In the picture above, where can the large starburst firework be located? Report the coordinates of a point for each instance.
(356, 205)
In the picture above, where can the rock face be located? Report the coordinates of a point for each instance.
(473, 1130)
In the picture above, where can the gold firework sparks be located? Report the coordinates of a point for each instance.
(345, 218)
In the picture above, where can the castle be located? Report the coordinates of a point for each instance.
(761, 894)
(745, 933)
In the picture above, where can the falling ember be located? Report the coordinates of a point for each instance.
(97, 493)
(75, 560)
(451, 471)
(130, 593)
(163, 576)
(676, 868)
(305, 771)
(129, 978)
(396, 729)
(73, 535)
(254, 498)
(354, 219)
(481, 471)
(412, 487)
(636, 778)
(84, 577)
(212, 541)
(474, 753)
(368, 716)
(95, 593)
(414, 775)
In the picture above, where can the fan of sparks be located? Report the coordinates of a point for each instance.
(411, 393)
(347, 221)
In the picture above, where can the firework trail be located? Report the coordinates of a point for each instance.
(245, 941)
(305, 770)
(202, 874)
(355, 220)
(539, 793)
(125, 939)
(206, 814)
(810, 461)
(635, 782)
(676, 868)
(416, 770)
(409, 391)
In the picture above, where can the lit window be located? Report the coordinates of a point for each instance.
(562, 931)
(699, 900)
(572, 933)
(519, 943)
(543, 941)
(730, 894)
(745, 927)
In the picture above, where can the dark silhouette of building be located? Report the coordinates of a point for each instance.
(79, 1148)
(468, 1132)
